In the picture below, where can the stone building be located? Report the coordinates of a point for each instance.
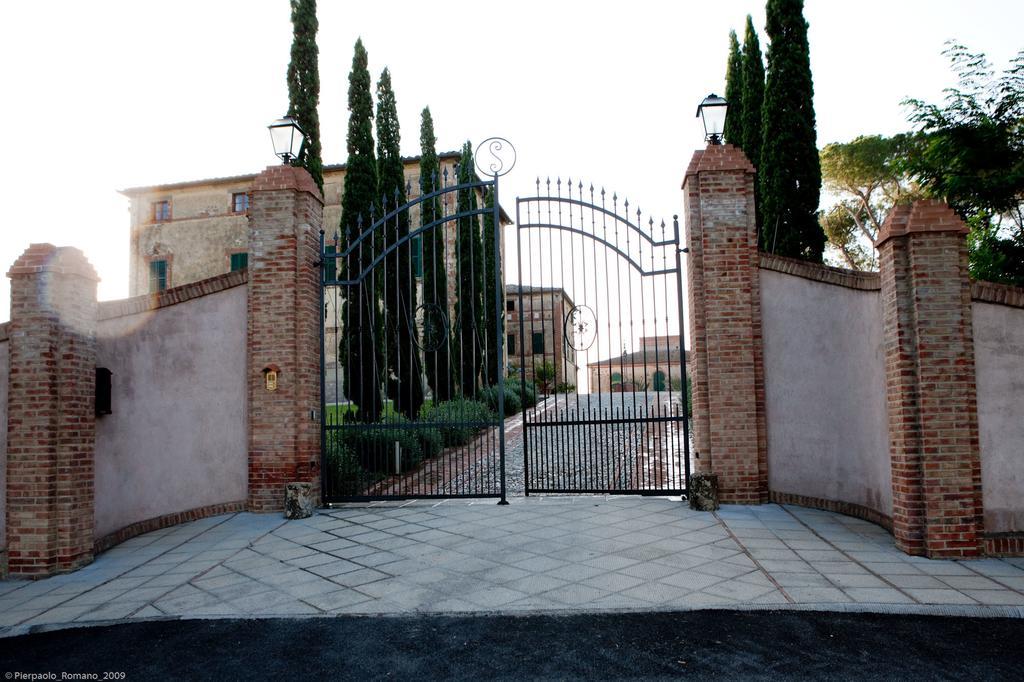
(543, 311)
(183, 232)
(655, 367)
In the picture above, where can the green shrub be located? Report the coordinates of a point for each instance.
(565, 387)
(342, 473)
(513, 404)
(531, 393)
(456, 413)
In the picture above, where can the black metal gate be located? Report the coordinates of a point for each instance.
(597, 316)
(413, 373)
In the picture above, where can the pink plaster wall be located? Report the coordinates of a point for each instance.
(177, 437)
(825, 404)
(999, 366)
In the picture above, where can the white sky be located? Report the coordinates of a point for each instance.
(103, 95)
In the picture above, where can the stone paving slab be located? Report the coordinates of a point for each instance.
(541, 554)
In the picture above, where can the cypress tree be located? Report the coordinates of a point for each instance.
(790, 171)
(304, 86)
(360, 312)
(753, 102)
(403, 363)
(435, 270)
(470, 273)
(734, 93)
(492, 316)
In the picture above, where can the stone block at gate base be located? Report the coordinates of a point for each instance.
(703, 492)
(298, 501)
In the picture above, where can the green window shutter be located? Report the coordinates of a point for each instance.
(511, 344)
(239, 261)
(330, 264)
(157, 276)
(538, 343)
(417, 256)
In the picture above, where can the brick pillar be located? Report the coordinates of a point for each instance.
(285, 319)
(930, 381)
(725, 323)
(51, 417)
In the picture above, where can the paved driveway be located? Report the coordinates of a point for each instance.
(555, 554)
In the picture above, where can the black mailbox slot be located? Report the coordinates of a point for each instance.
(103, 391)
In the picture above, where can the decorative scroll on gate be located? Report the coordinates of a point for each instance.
(598, 318)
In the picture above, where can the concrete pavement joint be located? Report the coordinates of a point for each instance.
(757, 563)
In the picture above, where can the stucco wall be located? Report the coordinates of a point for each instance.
(825, 391)
(177, 437)
(999, 364)
(4, 373)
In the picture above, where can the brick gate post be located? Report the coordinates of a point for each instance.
(285, 319)
(725, 323)
(51, 418)
(930, 382)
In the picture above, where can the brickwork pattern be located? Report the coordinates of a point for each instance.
(51, 431)
(725, 323)
(285, 217)
(930, 377)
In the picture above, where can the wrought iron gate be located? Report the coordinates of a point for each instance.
(412, 374)
(598, 321)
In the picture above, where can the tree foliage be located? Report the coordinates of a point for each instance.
(304, 86)
(867, 174)
(789, 173)
(470, 289)
(493, 320)
(752, 102)
(437, 357)
(970, 152)
(405, 385)
(734, 93)
(360, 311)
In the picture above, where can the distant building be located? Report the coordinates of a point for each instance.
(655, 367)
(543, 313)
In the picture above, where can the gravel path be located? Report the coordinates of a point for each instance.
(590, 457)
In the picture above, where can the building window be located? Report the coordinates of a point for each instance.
(417, 256)
(510, 306)
(157, 276)
(511, 344)
(538, 342)
(161, 210)
(330, 264)
(239, 261)
(239, 202)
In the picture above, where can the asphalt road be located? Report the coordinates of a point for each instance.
(699, 645)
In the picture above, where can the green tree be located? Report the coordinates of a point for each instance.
(405, 371)
(752, 103)
(359, 346)
(437, 356)
(304, 86)
(492, 316)
(734, 93)
(789, 173)
(470, 273)
(867, 175)
(970, 152)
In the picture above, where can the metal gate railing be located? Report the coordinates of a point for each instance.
(599, 315)
(413, 345)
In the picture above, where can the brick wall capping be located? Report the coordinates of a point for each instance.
(718, 157)
(983, 292)
(851, 279)
(67, 260)
(185, 292)
(924, 215)
(283, 177)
